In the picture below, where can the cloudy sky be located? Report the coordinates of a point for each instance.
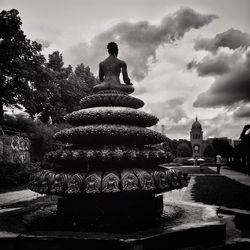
(185, 57)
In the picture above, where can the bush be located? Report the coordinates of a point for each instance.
(18, 124)
(41, 135)
(15, 174)
(42, 139)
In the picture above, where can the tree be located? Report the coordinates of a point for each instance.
(209, 151)
(20, 61)
(184, 149)
(58, 90)
(81, 84)
(222, 147)
(54, 90)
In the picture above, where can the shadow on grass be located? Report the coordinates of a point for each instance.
(221, 191)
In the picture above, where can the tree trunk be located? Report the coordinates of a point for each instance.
(1, 110)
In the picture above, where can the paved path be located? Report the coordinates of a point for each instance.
(234, 175)
(17, 196)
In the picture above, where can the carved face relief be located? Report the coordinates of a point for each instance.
(162, 180)
(44, 182)
(59, 184)
(110, 183)
(147, 182)
(74, 185)
(92, 184)
(130, 183)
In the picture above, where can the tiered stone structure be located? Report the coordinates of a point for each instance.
(108, 173)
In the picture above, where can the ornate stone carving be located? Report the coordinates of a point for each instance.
(75, 183)
(110, 182)
(129, 181)
(115, 179)
(59, 185)
(111, 115)
(161, 180)
(172, 179)
(93, 182)
(140, 155)
(145, 179)
(109, 134)
(111, 99)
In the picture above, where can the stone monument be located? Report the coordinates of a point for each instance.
(108, 175)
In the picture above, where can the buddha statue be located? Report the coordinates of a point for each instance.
(109, 72)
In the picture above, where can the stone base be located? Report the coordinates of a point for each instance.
(181, 226)
(198, 236)
(110, 212)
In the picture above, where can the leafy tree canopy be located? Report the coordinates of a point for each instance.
(46, 88)
(59, 89)
(20, 61)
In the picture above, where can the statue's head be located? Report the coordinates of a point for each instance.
(112, 48)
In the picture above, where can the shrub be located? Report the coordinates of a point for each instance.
(41, 135)
(15, 174)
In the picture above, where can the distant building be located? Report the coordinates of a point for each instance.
(236, 143)
(197, 147)
(196, 139)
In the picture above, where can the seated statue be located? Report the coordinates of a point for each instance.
(109, 72)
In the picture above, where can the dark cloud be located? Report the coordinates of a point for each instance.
(241, 112)
(223, 125)
(171, 109)
(217, 64)
(230, 88)
(138, 41)
(232, 39)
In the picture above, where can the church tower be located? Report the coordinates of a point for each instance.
(196, 138)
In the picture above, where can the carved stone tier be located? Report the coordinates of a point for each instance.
(117, 154)
(111, 115)
(111, 99)
(109, 134)
(74, 181)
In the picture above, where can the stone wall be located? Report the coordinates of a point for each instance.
(14, 149)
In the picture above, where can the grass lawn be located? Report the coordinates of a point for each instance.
(195, 170)
(221, 191)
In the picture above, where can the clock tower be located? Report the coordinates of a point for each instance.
(196, 138)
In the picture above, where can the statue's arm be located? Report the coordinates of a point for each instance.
(101, 73)
(125, 74)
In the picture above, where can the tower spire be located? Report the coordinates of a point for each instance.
(196, 119)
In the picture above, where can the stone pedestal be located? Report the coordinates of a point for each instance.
(108, 173)
(111, 212)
